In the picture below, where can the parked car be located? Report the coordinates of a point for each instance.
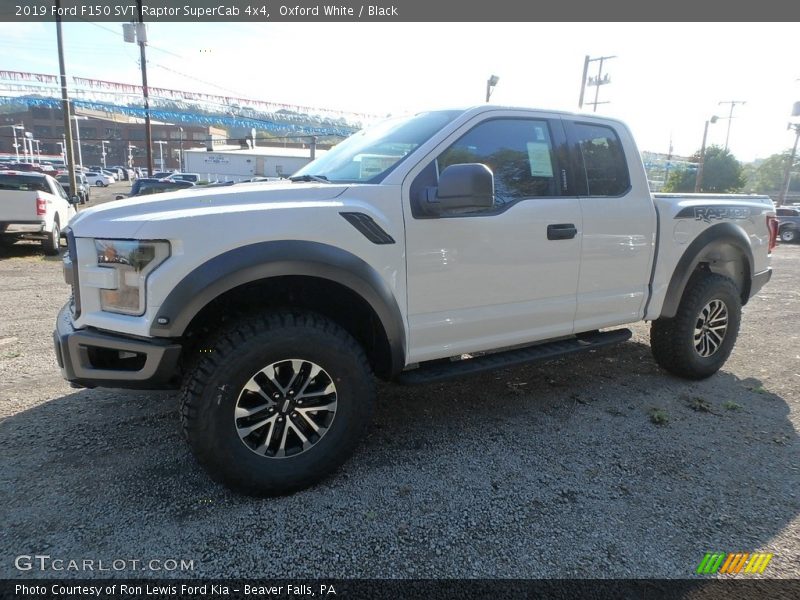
(788, 224)
(33, 206)
(434, 246)
(144, 186)
(83, 186)
(162, 174)
(126, 174)
(99, 178)
(193, 177)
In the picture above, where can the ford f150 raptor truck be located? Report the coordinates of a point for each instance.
(428, 247)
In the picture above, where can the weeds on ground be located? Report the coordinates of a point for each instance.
(659, 416)
(731, 405)
(698, 404)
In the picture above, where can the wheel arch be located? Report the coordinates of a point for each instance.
(723, 248)
(333, 269)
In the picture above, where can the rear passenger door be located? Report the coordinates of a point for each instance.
(619, 224)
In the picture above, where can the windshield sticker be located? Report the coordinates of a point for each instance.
(539, 159)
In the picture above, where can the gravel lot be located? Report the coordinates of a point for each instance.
(557, 470)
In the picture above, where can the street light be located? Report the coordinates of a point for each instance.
(76, 118)
(14, 129)
(130, 155)
(161, 153)
(490, 83)
(180, 152)
(103, 152)
(698, 181)
(27, 146)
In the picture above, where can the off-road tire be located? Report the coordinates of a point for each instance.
(211, 391)
(52, 244)
(672, 340)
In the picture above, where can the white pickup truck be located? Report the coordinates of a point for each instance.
(33, 206)
(429, 247)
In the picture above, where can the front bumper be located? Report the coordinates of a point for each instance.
(760, 280)
(91, 358)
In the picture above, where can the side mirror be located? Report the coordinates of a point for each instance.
(74, 200)
(469, 185)
(119, 197)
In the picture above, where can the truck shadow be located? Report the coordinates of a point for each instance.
(538, 463)
(29, 249)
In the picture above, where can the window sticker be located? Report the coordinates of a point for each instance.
(539, 159)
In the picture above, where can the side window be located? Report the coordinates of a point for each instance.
(603, 159)
(59, 191)
(518, 151)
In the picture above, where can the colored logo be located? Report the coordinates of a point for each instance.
(732, 563)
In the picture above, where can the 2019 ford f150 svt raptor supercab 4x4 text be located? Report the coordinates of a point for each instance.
(424, 248)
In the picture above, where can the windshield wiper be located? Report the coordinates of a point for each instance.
(320, 178)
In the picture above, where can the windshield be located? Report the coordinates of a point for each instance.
(369, 155)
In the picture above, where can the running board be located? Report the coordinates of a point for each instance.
(439, 371)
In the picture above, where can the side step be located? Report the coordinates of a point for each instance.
(439, 371)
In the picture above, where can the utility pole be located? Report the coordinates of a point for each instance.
(733, 104)
(138, 33)
(698, 182)
(583, 80)
(596, 81)
(65, 107)
(490, 85)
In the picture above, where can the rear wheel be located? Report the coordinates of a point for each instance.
(277, 402)
(788, 235)
(52, 244)
(698, 340)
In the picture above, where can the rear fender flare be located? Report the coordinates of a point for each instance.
(720, 244)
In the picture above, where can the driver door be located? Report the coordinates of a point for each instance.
(501, 276)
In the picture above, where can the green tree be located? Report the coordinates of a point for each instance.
(722, 173)
(767, 177)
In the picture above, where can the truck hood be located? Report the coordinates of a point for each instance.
(124, 218)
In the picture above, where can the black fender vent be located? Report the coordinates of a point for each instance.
(369, 228)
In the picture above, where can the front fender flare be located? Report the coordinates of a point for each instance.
(274, 259)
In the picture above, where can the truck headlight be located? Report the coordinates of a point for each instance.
(133, 261)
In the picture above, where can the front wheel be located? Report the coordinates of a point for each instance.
(697, 341)
(788, 235)
(100, 183)
(277, 403)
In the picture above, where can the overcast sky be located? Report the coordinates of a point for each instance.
(667, 78)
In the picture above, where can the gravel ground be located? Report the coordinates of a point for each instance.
(556, 470)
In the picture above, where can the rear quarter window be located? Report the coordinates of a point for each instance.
(603, 159)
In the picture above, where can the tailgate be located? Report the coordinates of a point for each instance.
(18, 207)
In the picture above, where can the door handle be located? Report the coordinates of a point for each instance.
(561, 231)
